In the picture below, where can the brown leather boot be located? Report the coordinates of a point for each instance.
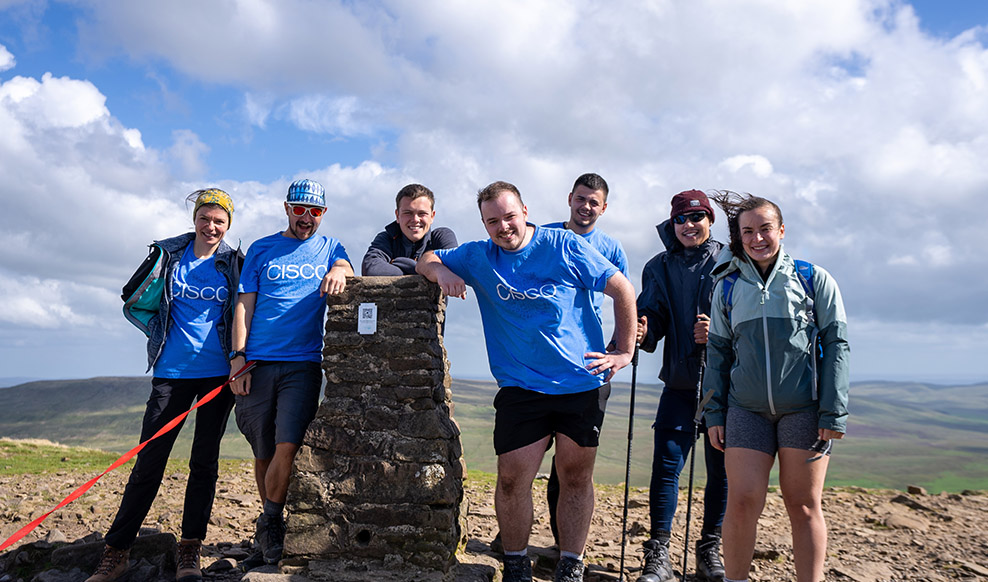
(187, 567)
(112, 565)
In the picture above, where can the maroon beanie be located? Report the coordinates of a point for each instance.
(691, 201)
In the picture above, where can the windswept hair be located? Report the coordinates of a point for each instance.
(493, 190)
(414, 191)
(733, 204)
(592, 181)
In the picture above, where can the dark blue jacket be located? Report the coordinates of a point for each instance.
(391, 254)
(676, 287)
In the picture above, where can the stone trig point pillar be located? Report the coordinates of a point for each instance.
(378, 482)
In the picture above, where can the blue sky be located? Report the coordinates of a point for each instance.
(863, 119)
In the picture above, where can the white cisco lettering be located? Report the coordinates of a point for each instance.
(303, 271)
(186, 291)
(544, 292)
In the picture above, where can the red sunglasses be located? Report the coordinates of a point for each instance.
(314, 211)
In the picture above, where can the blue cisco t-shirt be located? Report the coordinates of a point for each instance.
(192, 348)
(288, 314)
(536, 307)
(609, 247)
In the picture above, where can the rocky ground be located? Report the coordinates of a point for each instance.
(875, 535)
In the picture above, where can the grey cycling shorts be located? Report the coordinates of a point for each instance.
(768, 433)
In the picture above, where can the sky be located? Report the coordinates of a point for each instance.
(865, 120)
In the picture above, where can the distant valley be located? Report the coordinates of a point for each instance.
(899, 433)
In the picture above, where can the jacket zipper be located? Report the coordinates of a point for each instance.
(768, 355)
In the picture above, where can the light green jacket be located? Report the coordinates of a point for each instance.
(759, 356)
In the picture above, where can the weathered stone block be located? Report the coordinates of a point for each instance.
(379, 479)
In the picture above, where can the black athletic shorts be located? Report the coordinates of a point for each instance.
(523, 417)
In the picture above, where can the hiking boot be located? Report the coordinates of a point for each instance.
(569, 570)
(112, 565)
(655, 562)
(497, 546)
(254, 560)
(270, 536)
(709, 568)
(517, 569)
(187, 563)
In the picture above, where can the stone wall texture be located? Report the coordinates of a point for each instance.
(378, 482)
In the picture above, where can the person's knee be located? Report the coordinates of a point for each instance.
(575, 476)
(511, 483)
(802, 506)
(747, 500)
(285, 451)
(204, 468)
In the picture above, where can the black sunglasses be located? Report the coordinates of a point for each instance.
(692, 217)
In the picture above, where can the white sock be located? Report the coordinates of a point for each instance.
(521, 552)
(732, 580)
(577, 557)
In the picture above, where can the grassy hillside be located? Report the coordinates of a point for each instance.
(102, 413)
(899, 433)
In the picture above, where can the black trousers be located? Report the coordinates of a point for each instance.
(169, 398)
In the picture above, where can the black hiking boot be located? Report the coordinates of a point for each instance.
(517, 569)
(270, 536)
(709, 568)
(497, 546)
(254, 560)
(569, 570)
(655, 563)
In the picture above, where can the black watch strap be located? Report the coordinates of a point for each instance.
(236, 353)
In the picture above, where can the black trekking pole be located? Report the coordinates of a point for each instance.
(696, 434)
(627, 467)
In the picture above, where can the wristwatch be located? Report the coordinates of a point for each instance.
(236, 353)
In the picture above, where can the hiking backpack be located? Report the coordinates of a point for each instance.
(142, 293)
(804, 272)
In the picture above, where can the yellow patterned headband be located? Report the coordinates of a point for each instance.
(214, 196)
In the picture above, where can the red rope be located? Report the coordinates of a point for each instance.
(123, 459)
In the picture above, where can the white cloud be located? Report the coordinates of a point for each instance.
(870, 134)
(341, 115)
(30, 302)
(7, 60)
(759, 165)
(257, 109)
(55, 102)
(187, 152)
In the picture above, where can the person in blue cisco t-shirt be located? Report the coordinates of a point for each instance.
(587, 202)
(545, 346)
(394, 250)
(188, 338)
(278, 324)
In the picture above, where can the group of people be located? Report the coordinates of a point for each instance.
(770, 333)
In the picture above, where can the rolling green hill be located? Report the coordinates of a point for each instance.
(102, 413)
(898, 434)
